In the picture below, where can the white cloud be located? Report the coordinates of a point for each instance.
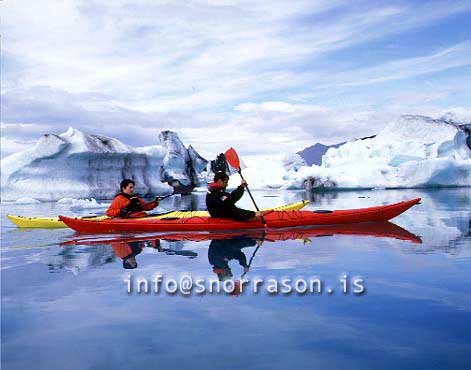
(190, 55)
(456, 56)
(217, 71)
(11, 146)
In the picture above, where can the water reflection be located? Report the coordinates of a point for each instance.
(456, 244)
(224, 246)
(128, 248)
(222, 251)
(79, 259)
(416, 313)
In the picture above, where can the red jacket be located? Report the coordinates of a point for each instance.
(121, 201)
(121, 250)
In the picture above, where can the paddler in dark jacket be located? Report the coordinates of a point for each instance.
(127, 204)
(220, 252)
(222, 204)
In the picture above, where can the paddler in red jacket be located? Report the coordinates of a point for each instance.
(128, 251)
(127, 204)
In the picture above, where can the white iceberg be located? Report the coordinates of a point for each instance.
(75, 165)
(76, 204)
(413, 151)
(26, 200)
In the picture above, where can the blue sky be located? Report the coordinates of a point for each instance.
(264, 77)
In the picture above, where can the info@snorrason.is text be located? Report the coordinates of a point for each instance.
(186, 284)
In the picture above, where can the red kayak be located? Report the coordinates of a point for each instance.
(371, 229)
(274, 220)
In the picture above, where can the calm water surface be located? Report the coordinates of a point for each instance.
(66, 306)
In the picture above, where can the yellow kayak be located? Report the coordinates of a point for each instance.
(55, 223)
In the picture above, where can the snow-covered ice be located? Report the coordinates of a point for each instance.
(413, 151)
(26, 200)
(77, 204)
(76, 165)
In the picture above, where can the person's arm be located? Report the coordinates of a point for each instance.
(241, 258)
(237, 194)
(116, 207)
(148, 206)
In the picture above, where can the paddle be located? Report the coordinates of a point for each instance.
(165, 196)
(233, 159)
(250, 261)
(237, 284)
(162, 198)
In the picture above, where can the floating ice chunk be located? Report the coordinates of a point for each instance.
(86, 204)
(27, 200)
(65, 200)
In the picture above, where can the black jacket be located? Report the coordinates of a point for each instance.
(222, 204)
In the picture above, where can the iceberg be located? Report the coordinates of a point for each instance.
(27, 200)
(77, 165)
(180, 166)
(79, 204)
(410, 152)
(269, 171)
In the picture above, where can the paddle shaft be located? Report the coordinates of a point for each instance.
(250, 261)
(167, 196)
(251, 197)
(253, 254)
(162, 198)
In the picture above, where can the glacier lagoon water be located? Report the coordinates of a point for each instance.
(67, 306)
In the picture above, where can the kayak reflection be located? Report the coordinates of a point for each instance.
(226, 246)
(373, 229)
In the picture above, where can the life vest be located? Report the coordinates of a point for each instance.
(134, 205)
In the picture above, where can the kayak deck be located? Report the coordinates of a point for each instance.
(274, 219)
(55, 223)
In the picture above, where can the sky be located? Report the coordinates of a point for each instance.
(264, 77)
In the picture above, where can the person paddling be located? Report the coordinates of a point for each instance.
(222, 204)
(128, 205)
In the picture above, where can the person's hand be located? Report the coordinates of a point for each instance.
(246, 269)
(259, 243)
(243, 183)
(258, 214)
(157, 201)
